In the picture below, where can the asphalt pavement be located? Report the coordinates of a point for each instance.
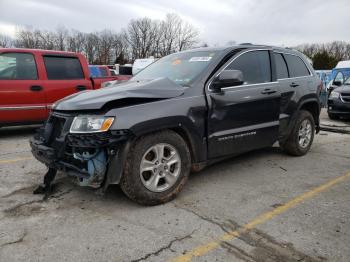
(260, 206)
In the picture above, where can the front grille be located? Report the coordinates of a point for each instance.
(96, 140)
(345, 97)
(89, 140)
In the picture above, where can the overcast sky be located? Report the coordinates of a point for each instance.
(277, 22)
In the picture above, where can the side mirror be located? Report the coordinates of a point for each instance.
(227, 78)
(337, 83)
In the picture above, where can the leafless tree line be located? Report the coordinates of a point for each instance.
(5, 41)
(146, 37)
(327, 55)
(142, 38)
(340, 50)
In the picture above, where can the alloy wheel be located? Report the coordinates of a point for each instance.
(305, 133)
(160, 167)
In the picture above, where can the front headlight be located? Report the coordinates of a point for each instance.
(334, 94)
(91, 124)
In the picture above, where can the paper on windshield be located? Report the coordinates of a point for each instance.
(200, 59)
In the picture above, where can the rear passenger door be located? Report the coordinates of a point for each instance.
(293, 77)
(298, 72)
(22, 98)
(65, 76)
(244, 117)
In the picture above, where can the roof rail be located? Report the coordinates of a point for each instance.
(245, 44)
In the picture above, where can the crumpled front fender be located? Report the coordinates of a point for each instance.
(116, 164)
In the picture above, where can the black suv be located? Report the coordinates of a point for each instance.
(181, 113)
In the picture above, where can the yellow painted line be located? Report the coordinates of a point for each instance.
(206, 248)
(8, 161)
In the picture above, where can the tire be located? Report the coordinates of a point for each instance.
(295, 145)
(143, 165)
(333, 116)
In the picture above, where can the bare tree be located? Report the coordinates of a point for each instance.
(105, 47)
(141, 38)
(140, 35)
(308, 49)
(46, 39)
(75, 41)
(347, 53)
(61, 37)
(6, 41)
(169, 31)
(120, 47)
(326, 55)
(187, 36)
(175, 35)
(337, 49)
(90, 47)
(26, 39)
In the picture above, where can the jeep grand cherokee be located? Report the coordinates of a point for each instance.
(181, 113)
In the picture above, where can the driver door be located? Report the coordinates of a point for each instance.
(246, 116)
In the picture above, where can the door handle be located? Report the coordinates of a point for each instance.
(268, 91)
(81, 88)
(36, 88)
(293, 85)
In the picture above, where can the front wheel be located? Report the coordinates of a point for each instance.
(157, 168)
(302, 135)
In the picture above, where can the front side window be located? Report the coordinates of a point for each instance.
(281, 66)
(63, 68)
(255, 66)
(17, 66)
(296, 66)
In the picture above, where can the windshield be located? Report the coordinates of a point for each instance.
(181, 68)
(347, 81)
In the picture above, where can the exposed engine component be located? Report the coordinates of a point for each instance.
(96, 166)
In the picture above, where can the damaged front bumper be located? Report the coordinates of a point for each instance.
(95, 159)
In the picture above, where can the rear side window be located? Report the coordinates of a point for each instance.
(255, 66)
(17, 66)
(281, 66)
(296, 66)
(60, 68)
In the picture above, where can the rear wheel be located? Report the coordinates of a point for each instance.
(157, 168)
(302, 135)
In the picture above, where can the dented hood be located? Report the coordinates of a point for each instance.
(93, 100)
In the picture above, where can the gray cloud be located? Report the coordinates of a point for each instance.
(278, 22)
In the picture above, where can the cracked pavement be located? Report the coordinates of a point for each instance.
(77, 224)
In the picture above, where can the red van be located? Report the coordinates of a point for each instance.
(32, 80)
